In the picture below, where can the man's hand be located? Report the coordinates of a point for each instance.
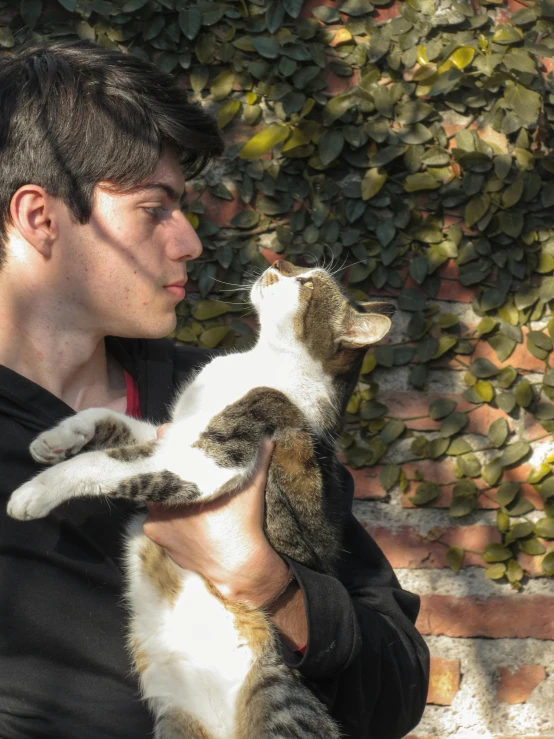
(224, 541)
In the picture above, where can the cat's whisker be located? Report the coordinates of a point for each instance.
(233, 284)
(361, 261)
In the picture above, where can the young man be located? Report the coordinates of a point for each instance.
(94, 148)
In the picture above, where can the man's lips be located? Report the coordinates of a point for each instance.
(178, 283)
(177, 289)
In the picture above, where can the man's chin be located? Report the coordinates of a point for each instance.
(152, 330)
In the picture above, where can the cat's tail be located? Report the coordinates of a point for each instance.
(275, 704)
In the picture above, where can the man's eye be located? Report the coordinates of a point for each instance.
(156, 211)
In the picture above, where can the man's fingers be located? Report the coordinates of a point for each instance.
(162, 429)
(266, 450)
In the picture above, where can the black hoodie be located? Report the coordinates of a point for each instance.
(64, 670)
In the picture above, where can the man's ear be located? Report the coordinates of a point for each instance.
(363, 329)
(31, 214)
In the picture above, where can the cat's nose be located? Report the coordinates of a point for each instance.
(284, 267)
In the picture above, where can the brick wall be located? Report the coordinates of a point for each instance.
(492, 668)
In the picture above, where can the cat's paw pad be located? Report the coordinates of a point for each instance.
(30, 501)
(63, 441)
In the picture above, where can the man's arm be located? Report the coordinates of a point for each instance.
(364, 658)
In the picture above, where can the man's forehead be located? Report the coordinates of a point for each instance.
(169, 173)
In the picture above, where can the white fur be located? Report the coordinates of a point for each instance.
(196, 659)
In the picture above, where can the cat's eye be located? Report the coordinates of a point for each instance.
(306, 283)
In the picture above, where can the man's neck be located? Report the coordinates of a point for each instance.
(71, 366)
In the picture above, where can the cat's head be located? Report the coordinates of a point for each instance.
(307, 307)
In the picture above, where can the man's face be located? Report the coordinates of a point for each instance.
(123, 272)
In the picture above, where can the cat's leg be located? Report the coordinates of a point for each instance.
(134, 473)
(93, 428)
(177, 724)
(221, 460)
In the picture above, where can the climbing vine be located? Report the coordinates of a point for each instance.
(411, 145)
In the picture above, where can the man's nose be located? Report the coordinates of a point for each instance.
(185, 242)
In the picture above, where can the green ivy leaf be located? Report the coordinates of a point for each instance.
(372, 182)
(206, 309)
(476, 209)
(544, 528)
(514, 453)
(524, 394)
(532, 547)
(190, 22)
(496, 571)
(392, 430)
(483, 368)
(210, 338)
(425, 493)
(455, 558)
(417, 182)
(492, 472)
(506, 402)
(453, 423)
(264, 141)
(548, 564)
(441, 407)
(330, 146)
(246, 219)
(498, 432)
(495, 552)
(30, 12)
(267, 47)
(389, 476)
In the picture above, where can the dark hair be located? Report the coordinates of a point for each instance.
(74, 114)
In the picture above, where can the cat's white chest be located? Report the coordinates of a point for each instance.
(193, 656)
(227, 379)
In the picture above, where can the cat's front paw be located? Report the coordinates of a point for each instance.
(30, 501)
(63, 441)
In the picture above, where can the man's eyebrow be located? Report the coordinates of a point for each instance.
(169, 191)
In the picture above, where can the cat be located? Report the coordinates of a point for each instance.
(209, 668)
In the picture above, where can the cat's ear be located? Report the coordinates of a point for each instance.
(378, 306)
(363, 329)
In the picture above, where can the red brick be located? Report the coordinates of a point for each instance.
(497, 617)
(441, 471)
(444, 681)
(515, 686)
(546, 64)
(481, 419)
(407, 404)
(484, 502)
(366, 484)
(407, 548)
(240, 131)
(337, 84)
(382, 14)
(520, 358)
(309, 5)
(513, 5)
(532, 426)
(451, 288)
(532, 564)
